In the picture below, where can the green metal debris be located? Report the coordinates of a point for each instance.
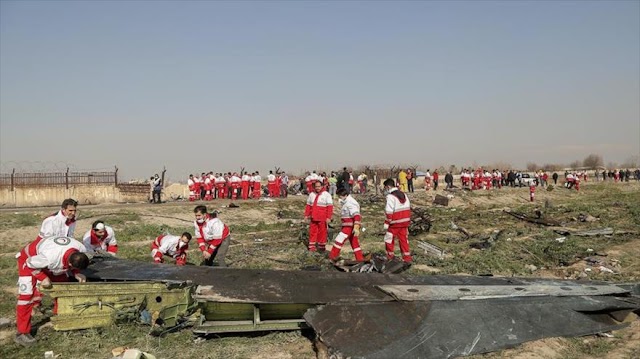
(92, 305)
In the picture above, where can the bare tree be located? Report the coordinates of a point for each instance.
(631, 162)
(552, 167)
(592, 161)
(575, 164)
(532, 166)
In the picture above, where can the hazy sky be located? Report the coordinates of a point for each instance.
(218, 85)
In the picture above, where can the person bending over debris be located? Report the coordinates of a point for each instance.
(51, 259)
(350, 217)
(317, 213)
(212, 235)
(398, 213)
(172, 246)
(61, 223)
(100, 238)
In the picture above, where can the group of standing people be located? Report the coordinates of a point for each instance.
(210, 186)
(335, 181)
(319, 211)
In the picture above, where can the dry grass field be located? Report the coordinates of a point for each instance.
(267, 235)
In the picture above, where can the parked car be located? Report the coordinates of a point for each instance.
(527, 180)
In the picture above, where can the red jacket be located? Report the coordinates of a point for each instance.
(319, 206)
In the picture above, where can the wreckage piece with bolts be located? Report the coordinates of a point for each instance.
(436, 316)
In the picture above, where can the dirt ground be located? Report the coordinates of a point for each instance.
(267, 235)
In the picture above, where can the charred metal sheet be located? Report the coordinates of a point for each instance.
(273, 286)
(257, 286)
(445, 329)
(472, 292)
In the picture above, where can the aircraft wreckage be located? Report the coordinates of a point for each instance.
(432, 316)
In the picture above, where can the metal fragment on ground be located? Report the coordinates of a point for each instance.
(434, 316)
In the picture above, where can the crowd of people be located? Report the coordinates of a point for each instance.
(233, 185)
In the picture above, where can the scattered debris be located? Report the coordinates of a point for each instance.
(605, 335)
(460, 229)
(594, 232)
(372, 198)
(49, 355)
(136, 354)
(431, 249)
(524, 217)
(5, 323)
(480, 245)
(561, 239)
(531, 267)
(587, 218)
(604, 269)
(116, 352)
(441, 200)
(495, 235)
(266, 199)
(420, 221)
(233, 205)
(258, 240)
(377, 264)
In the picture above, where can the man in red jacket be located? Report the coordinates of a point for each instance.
(398, 218)
(318, 214)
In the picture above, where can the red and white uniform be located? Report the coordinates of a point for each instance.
(319, 209)
(532, 192)
(208, 187)
(197, 186)
(398, 218)
(360, 183)
(257, 186)
(221, 185)
(427, 181)
(309, 182)
(465, 177)
(271, 184)
(57, 225)
(43, 258)
(487, 180)
(94, 243)
(349, 216)
(498, 177)
(245, 185)
(235, 183)
(276, 188)
(210, 234)
(169, 245)
(192, 189)
(570, 180)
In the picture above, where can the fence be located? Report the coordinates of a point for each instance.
(65, 179)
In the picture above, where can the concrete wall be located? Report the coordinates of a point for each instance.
(51, 196)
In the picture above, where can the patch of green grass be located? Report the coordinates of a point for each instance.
(593, 346)
(98, 343)
(260, 226)
(19, 220)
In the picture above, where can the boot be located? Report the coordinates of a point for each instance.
(25, 340)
